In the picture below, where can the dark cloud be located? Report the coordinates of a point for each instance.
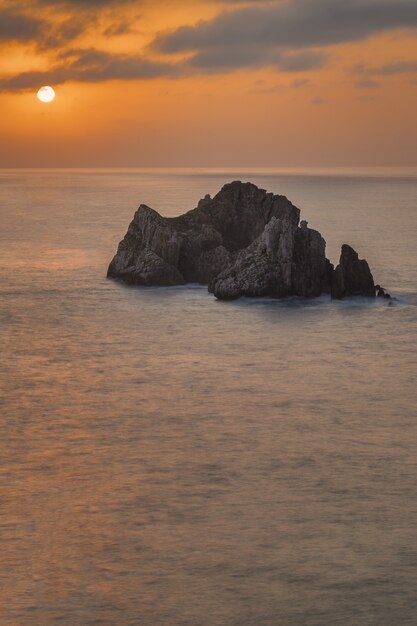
(302, 61)
(243, 2)
(228, 59)
(257, 35)
(390, 69)
(71, 18)
(89, 66)
(57, 36)
(97, 65)
(296, 23)
(85, 4)
(289, 35)
(16, 26)
(40, 32)
(118, 28)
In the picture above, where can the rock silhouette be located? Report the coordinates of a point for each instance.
(242, 242)
(352, 277)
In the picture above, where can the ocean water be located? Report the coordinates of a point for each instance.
(170, 460)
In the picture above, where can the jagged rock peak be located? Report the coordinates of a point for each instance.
(352, 277)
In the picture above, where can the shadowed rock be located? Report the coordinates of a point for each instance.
(149, 252)
(284, 260)
(352, 277)
(243, 242)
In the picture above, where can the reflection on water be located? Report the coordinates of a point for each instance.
(167, 459)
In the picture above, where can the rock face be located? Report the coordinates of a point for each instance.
(352, 277)
(243, 242)
(149, 252)
(284, 260)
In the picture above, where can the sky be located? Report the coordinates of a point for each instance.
(204, 83)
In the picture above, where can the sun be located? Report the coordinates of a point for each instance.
(46, 94)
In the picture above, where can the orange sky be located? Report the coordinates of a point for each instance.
(202, 83)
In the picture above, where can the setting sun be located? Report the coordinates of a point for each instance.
(46, 94)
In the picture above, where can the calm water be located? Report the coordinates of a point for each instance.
(170, 460)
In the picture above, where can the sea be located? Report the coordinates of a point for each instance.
(167, 459)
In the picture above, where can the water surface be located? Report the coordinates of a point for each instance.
(167, 459)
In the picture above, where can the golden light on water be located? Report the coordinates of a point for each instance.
(46, 94)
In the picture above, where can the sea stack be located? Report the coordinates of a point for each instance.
(242, 242)
(352, 277)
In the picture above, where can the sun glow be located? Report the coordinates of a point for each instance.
(46, 94)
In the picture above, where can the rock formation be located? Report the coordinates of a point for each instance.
(243, 242)
(352, 277)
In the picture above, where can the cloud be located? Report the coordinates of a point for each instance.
(89, 66)
(288, 35)
(302, 61)
(300, 82)
(317, 100)
(261, 35)
(366, 83)
(222, 59)
(16, 26)
(41, 33)
(118, 28)
(295, 23)
(261, 88)
(85, 4)
(389, 69)
(59, 35)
